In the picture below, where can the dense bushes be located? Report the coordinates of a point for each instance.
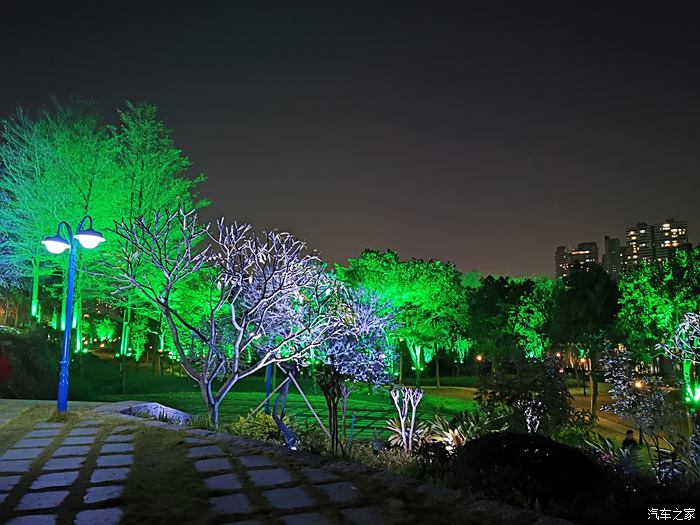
(31, 366)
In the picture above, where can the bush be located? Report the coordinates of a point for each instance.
(259, 426)
(393, 459)
(532, 470)
(32, 363)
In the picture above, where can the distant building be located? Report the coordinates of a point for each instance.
(562, 261)
(614, 256)
(566, 258)
(646, 242)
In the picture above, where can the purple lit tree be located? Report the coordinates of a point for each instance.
(361, 354)
(228, 294)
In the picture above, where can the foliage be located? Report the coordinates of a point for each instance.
(532, 393)
(260, 426)
(33, 367)
(455, 433)
(405, 398)
(532, 316)
(685, 346)
(394, 459)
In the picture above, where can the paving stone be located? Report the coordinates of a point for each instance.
(32, 443)
(42, 500)
(289, 498)
(340, 492)
(77, 450)
(307, 518)
(117, 448)
(22, 453)
(103, 493)
(230, 504)
(362, 516)
(79, 440)
(101, 475)
(109, 516)
(212, 465)
(49, 425)
(55, 479)
(86, 431)
(195, 441)
(256, 461)
(34, 519)
(115, 460)
(270, 477)
(205, 452)
(44, 433)
(7, 482)
(223, 482)
(88, 423)
(119, 438)
(318, 475)
(63, 463)
(20, 465)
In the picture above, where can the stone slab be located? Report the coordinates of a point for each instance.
(212, 465)
(307, 518)
(110, 516)
(208, 451)
(42, 500)
(63, 463)
(19, 465)
(102, 493)
(22, 453)
(102, 475)
(270, 477)
(223, 482)
(33, 443)
(79, 440)
(49, 425)
(340, 492)
(115, 460)
(230, 504)
(55, 479)
(117, 448)
(44, 433)
(318, 475)
(8, 482)
(84, 431)
(196, 441)
(288, 498)
(119, 438)
(76, 450)
(256, 461)
(362, 516)
(34, 519)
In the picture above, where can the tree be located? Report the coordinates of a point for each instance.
(532, 317)
(261, 292)
(684, 346)
(585, 318)
(362, 353)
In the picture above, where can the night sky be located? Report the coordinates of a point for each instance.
(483, 133)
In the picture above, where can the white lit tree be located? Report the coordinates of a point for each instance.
(226, 290)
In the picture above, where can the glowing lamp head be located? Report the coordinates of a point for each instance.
(89, 238)
(639, 384)
(56, 244)
(479, 358)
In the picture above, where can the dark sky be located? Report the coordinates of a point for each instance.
(484, 133)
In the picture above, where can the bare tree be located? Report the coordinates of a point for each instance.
(227, 295)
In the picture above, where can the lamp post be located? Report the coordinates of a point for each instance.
(88, 238)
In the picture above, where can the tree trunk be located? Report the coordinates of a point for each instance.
(34, 304)
(594, 393)
(401, 368)
(437, 371)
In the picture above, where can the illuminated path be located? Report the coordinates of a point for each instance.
(95, 471)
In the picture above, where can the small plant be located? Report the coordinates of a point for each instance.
(260, 426)
(201, 422)
(405, 398)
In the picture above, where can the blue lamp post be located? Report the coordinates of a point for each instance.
(88, 238)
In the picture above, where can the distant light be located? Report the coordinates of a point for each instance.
(639, 384)
(479, 357)
(558, 354)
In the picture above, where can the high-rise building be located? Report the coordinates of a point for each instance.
(566, 258)
(646, 242)
(668, 236)
(562, 261)
(614, 256)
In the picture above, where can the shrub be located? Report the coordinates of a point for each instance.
(259, 426)
(393, 459)
(530, 470)
(32, 361)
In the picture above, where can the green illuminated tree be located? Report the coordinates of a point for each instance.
(532, 317)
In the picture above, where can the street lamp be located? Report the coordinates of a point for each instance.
(88, 238)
